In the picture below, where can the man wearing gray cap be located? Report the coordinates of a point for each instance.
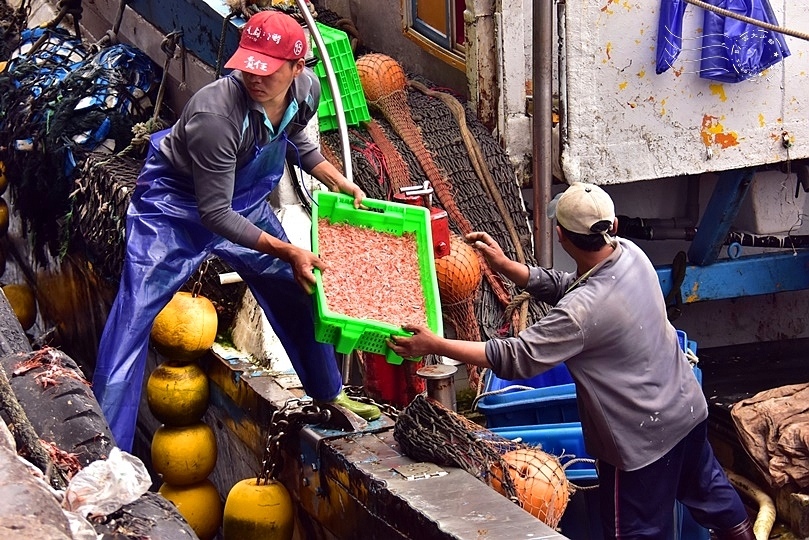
(643, 413)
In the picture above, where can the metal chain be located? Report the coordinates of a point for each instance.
(356, 393)
(284, 422)
(196, 289)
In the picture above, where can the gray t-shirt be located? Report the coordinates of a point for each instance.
(216, 135)
(637, 394)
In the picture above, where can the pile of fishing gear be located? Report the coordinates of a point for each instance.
(61, 101)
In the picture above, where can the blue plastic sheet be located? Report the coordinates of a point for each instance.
(732, 50)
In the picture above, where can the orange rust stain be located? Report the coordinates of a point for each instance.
(609, 50)
(606, 7)
(713, 132)
(726, 140)
(718, 89)
(641, 74)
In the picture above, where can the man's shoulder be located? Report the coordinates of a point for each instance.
(222, 96)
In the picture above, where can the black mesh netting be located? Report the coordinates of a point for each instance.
(59, 103)
(534, 479)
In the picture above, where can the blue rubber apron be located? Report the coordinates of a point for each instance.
(166, 243)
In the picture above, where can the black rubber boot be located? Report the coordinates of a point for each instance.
(742, 531)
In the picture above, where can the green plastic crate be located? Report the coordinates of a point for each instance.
(348, 81)
(348, 333)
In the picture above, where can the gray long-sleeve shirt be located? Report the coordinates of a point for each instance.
(216, 135)
(636, 392)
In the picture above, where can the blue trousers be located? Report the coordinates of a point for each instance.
(638, 504)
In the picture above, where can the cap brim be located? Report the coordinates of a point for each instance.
(253, 62)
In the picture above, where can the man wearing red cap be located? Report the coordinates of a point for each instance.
(643, 413)
(203, 191)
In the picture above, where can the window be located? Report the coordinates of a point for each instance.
(438, 26)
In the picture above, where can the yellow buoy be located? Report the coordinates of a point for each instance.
(3, 217)
(254, 510)
(177, 395)
(199, 504)
(186, 328)
(184, 455)
(3, 178)
(21, 298)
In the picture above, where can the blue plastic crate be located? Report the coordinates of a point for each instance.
(550, 405)
(553, 377)
(557, 439)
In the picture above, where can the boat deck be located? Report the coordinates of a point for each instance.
(348, 484)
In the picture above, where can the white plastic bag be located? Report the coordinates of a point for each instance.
(104, 486)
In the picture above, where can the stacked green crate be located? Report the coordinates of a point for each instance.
(348, 80)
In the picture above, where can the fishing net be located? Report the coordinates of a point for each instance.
(100, 201)
(61, 104)
(427, 431)
(12, 22)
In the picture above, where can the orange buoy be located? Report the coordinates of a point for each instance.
(184, 455)
(380, 76)
(186, 328)
(258, 510)
(458, 273)
(199, 504)
(177, 395)
(539, 481)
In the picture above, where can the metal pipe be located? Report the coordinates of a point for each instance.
(335, 89)
(542, 134)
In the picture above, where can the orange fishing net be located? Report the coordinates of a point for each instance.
(459, 277)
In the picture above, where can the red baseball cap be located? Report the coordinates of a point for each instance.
(269, 38)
